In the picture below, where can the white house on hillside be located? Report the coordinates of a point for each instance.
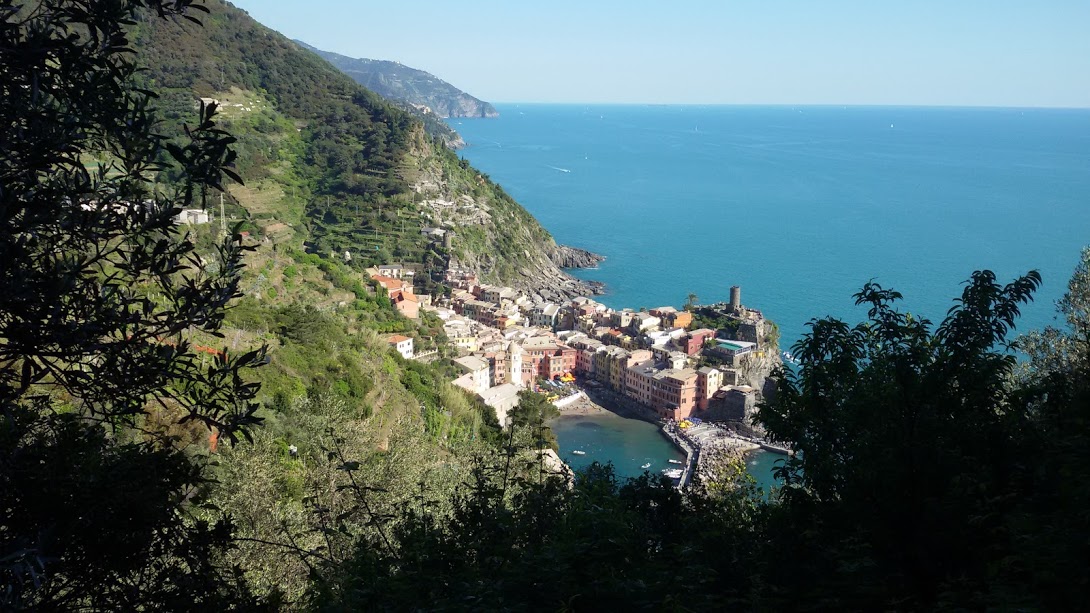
(403, 344)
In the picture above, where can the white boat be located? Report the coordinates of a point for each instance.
(675, 461)
(578, 452)
(645, 466)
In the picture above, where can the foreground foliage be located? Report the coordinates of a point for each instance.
(99, 297)
(929, 477)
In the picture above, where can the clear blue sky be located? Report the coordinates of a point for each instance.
(917, 52)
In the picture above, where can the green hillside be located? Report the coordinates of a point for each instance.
(328, 165)
(329, 168)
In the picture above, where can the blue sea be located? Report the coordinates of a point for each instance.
(800, 206)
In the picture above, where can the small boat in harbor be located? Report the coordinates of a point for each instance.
(578, 452)
(646, 466)
(675, 461)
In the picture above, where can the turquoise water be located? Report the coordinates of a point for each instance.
(799, 206)
(607, 437)
(630, 443)
(761, 464)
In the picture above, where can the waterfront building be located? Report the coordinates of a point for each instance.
(674, 393)
(640, 382)
(544, 357)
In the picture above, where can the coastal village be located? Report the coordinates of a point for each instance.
(656, 358)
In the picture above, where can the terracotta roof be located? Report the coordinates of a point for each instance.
(388, 281)
(397, 338)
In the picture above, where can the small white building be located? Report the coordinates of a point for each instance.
(396, 271)
(191, 217)
(403, 345)
(477, 369)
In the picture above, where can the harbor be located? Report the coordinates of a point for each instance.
(602, 427)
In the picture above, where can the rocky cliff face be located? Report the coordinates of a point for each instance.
(573, 257)
(492, 234)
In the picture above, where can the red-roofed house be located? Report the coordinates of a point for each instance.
(407, 303)
(403, 344)
(392, 285)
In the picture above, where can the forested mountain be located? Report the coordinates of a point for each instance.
(395, 81)
(342, 168)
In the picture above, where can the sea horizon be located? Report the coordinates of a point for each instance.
(789, 105)
(799, 205)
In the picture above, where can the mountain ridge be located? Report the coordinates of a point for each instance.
(396, 81)
(333, 161)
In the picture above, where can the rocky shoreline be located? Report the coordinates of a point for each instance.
(552, 284)
(573, 257)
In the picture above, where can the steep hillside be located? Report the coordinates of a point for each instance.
(395, 81)
(330, 166)
(434, 125)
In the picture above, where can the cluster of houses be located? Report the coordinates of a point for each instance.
(650, 356)
(397, 280)
(508, 342)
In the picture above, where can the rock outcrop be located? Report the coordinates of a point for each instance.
(573, 257)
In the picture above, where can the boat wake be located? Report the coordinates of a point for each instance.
(560, 169)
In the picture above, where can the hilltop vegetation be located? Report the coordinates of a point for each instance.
(330, 163)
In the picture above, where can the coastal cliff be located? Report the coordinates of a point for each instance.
(573, 257)
(491, 233)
